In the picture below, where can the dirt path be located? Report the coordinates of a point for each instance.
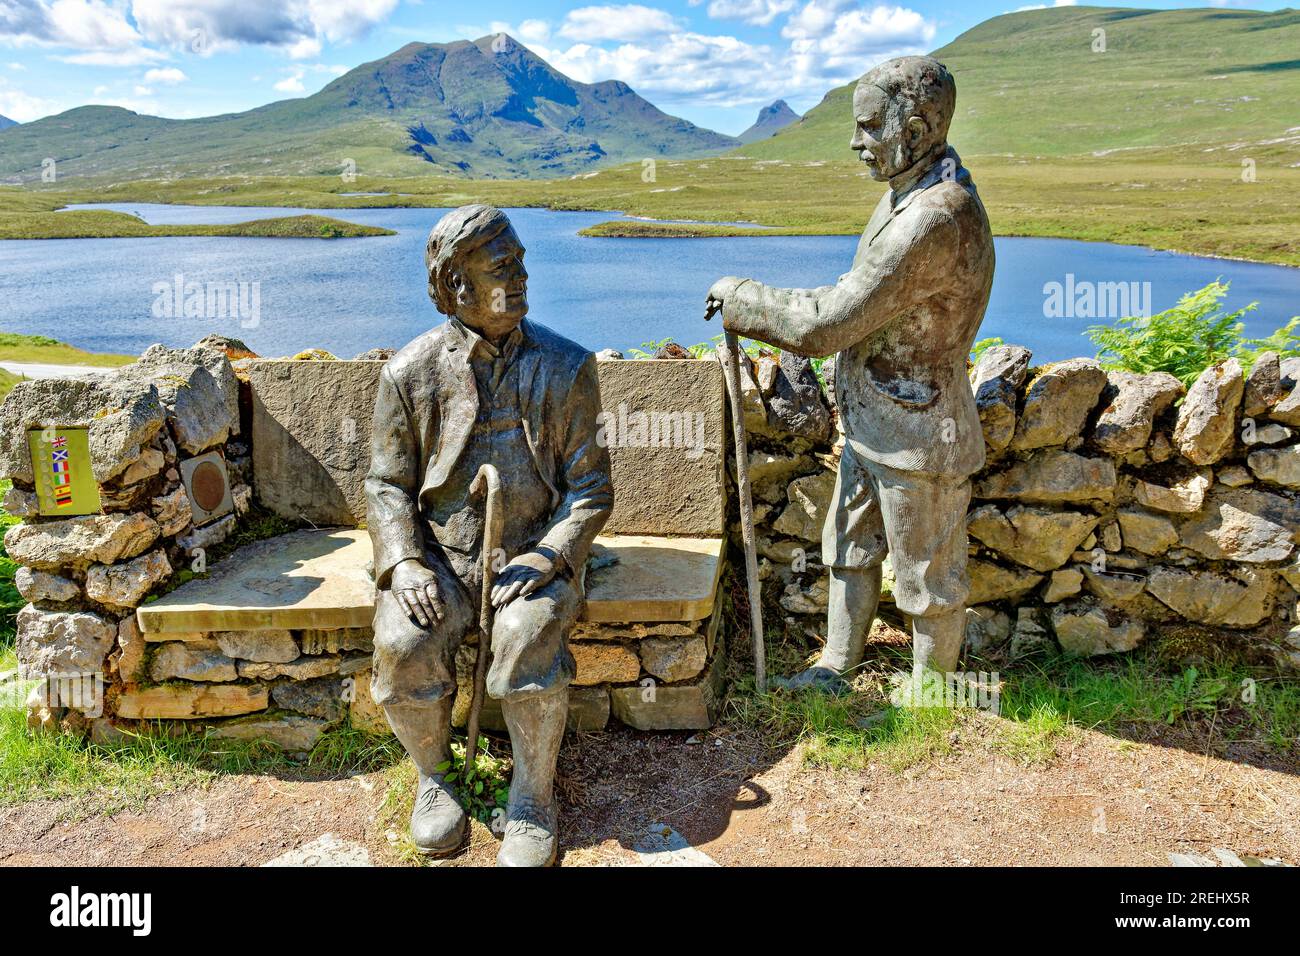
(1101, 800)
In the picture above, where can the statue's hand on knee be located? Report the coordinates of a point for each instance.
(416, 589)
(524, 575)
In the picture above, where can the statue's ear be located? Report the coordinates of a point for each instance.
(917, 128)
(459, 285)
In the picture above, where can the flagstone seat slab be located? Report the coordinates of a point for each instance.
(320, 579)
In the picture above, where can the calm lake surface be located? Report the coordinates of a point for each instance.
(351, 295)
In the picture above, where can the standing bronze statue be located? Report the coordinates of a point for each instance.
(486, 387)
(902, 321)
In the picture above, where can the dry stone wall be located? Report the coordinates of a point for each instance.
(84, 576)
(1114, 509)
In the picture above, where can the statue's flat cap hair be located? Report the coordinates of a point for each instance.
(456, 235)
(923, 84)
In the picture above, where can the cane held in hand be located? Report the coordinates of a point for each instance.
(486, 482)
(732, 368)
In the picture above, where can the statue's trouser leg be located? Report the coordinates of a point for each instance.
(413, 678)
(853, 547)
(530, 674)
(925, 522)
(536, 729)
(854, 595)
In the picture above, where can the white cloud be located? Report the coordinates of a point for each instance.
(628, 21)
(143, 91)
(830, 42)
(99, 30)
(300, 26)
(23, 107)
(134, 56)
(758, 12)
(292, 83)
(16, 66)
(168, 76)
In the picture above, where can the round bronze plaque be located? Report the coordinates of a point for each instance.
(208, 485)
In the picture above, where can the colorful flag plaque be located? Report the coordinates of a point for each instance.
(61, 464)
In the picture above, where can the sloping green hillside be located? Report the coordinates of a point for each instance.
(1029, 83)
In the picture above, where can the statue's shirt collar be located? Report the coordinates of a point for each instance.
(921, 177)
(476, 346)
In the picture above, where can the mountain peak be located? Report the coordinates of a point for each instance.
(771, 119)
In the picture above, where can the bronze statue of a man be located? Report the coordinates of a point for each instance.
(902, 321)
(486, 386)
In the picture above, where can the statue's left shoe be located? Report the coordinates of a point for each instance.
(530, 838)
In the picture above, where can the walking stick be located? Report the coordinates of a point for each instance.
(488, 482)
(746, 511)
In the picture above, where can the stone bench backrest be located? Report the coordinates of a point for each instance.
(663, 421)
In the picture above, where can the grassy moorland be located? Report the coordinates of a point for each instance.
(1184, 202)
(44, 350)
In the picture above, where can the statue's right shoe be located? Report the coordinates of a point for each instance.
(438, 822)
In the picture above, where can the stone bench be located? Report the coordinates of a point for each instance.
(288, 619)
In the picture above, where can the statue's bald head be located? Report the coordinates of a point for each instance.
(903, 109)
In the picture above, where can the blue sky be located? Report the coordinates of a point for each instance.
(714, 62)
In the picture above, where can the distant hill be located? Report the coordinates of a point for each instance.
(488, 108)
(1030, 84)
(771, 120)
(6, 122)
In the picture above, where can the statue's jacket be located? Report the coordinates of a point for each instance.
(903, 320)
(425, 413)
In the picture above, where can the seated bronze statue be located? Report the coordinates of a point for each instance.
(487, 386)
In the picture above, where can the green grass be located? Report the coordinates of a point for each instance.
(41, 349)
(105, 224)
(1165, 198)
(1030, 84)
(1136, 697)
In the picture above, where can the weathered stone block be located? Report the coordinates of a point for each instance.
(1132, 404)
(1089, 630)
(363, 712)
(122, 416)
(288, 732)
(1039, 538)
(605, 663)
(36, 586)
(323, 698)
(810, 499)
(588, 709)
(1243, 599)
(191, 660)
(1183, 497)
(304, 668)
(992, 582)
(1146, 532)
(51, 643)
(191, 701)
(311, 437)
(1058, 404)
(131, 647)
(1051, 476)
(1064, 583)
(664, 425)
(1208, 416)
(1243, 524)
(672, 707)
(1278, 465)
(197, 387)
(673, 658)
(315, 641)
(996, 380)
(272, 646)
(80, 542)
(124, 586)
